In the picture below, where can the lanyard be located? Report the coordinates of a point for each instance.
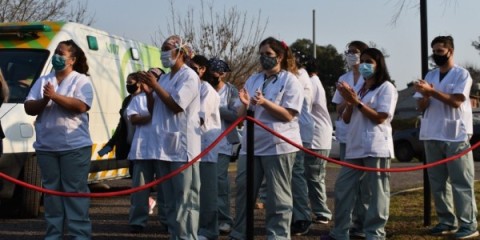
(267, 80)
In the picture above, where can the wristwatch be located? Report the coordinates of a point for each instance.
(360, 105)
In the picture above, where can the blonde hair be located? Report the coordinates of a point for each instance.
(4, 88)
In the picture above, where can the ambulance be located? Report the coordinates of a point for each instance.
(25, 54)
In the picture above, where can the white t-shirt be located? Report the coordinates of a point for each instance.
(440, 121)
(305, 119)
(366, 138)
(58, 129)
(322, 133)
(285, 91)
(143, 142)
(210, 113)
(341, 128)
(178, 134)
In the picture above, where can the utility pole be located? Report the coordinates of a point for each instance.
(314, 47)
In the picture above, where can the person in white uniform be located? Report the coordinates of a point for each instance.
(60, 100)
(355, 80)
(210, 129)
(446, 128)
(144, 166)
(315, 171)
(226, 147)
(302, 220)
(275, 95)
(369, 143)
(175, 120)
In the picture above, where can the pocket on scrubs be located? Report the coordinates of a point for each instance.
(171, 142)
(453, 129)
(376, 144)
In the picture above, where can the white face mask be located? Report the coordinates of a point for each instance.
(166, 58)
(352, 59)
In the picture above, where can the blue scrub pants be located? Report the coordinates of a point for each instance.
(66, 171)
(277, 170)
(315, 177)
(223, 182)
(346, 193)
(452, 183)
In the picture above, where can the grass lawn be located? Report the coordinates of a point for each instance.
(406, 216)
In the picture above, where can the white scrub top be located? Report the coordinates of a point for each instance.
(366, 138)
(305, 119)
(341, 128)
(440, 121)
(210, 113)
(224, 146)
(285, 91)
(56, 128)
(143, 142)
(322, 133)
(178, 134)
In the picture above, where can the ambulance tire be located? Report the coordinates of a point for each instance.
(29, 199)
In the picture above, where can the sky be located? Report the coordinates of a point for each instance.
(337, 23)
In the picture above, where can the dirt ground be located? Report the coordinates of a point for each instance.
(110, 215)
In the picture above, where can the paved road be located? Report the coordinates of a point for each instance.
(110, 215)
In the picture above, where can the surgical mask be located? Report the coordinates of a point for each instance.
(440, 60)
(352, 59)
(268, 62)
(132, 88)
(166, 58)
(366, 69)
(58, 63)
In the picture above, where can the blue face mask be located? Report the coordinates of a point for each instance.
(58, 62)
(366, 69)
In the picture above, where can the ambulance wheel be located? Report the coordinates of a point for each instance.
(30, 200)
(404, 151)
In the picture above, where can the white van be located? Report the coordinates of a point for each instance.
(25, 54)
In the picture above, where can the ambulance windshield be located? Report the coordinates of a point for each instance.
(20, 67)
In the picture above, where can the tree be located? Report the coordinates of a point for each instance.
(43, 10)
(331, 64)
(228, 34)
(476, 44)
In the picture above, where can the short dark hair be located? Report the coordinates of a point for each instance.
(446, 40)
(200, 60)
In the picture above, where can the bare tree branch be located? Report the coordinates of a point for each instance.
(42, 10)
(229, 34)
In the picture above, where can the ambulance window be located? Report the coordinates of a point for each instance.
(20, 67)
(92, 43)
(135, 55)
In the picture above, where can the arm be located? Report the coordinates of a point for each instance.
(229, 113)
(137, 119)
(279, 112)
(35, 107)
(69, 103)
(150, 80)
(426, 89)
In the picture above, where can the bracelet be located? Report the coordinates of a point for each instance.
(360, 106)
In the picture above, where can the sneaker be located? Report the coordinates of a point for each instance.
(136, 228)
(200, 237)
(321, 219)
(442, 229)
(225, 228)
(464, 233)
(326, 237)
(151, 205)
(300, 228)
(356, 234)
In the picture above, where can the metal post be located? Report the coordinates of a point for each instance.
(427, 212)
(314, 47)
(250, 192)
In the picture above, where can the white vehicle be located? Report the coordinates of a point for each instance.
(25, 54)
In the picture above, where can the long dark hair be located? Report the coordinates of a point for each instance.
(381, 72)
(80, 65)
